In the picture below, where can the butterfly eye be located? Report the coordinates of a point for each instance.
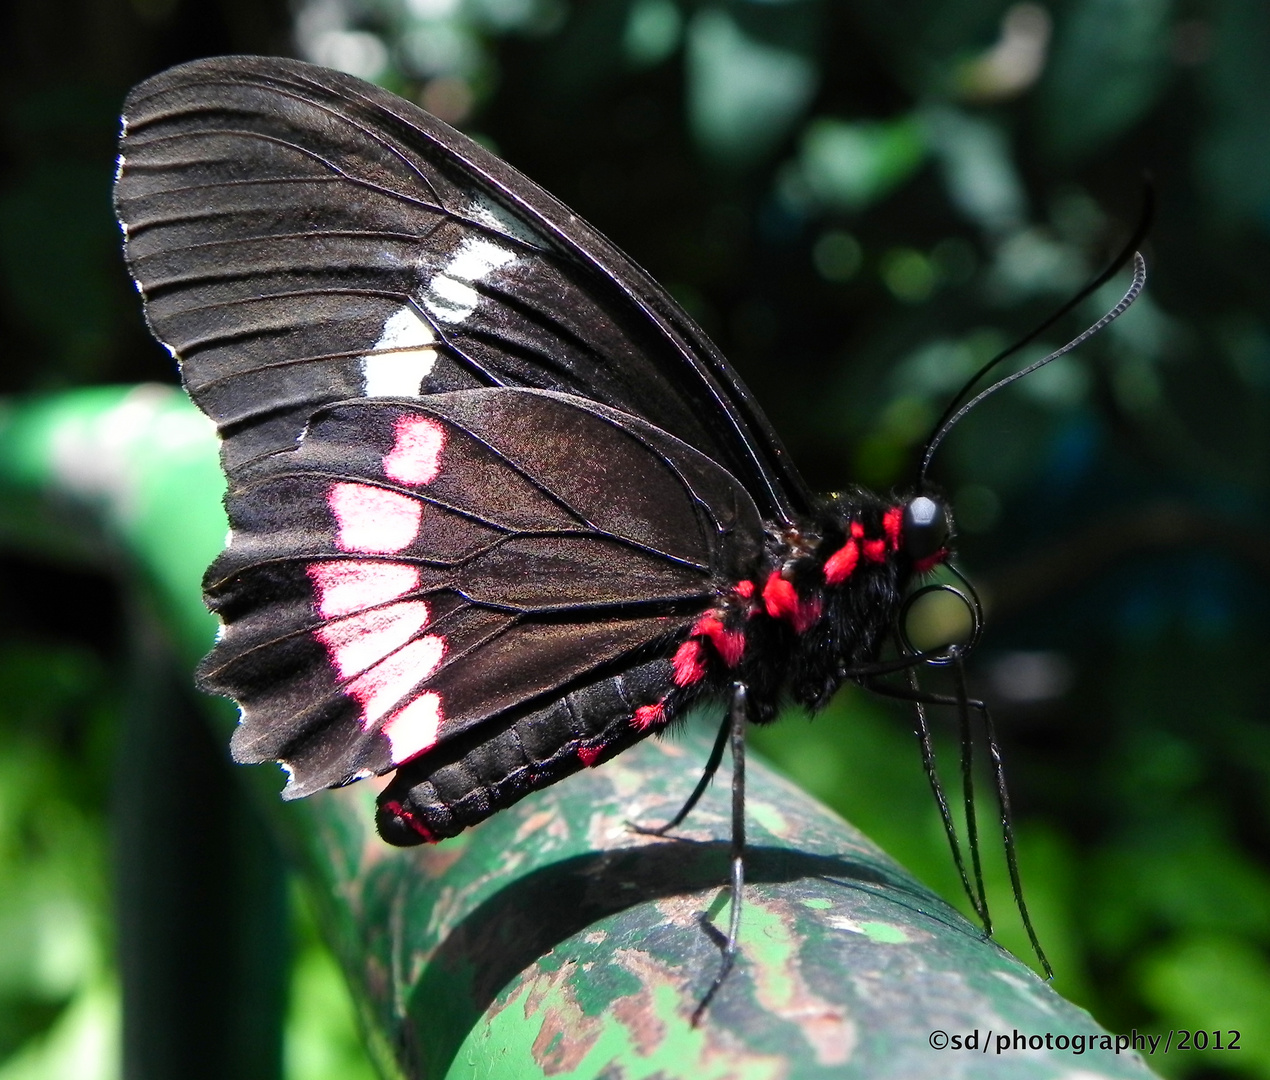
(925, 528)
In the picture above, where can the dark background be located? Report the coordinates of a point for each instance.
(860, 201)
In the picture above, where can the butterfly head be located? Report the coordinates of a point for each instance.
(925, 532)
(956, 619)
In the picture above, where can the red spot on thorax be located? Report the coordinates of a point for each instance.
(779, 597)
(892, 525)
(744, 589)
(783, 602)
(842, 563)
(729, 644)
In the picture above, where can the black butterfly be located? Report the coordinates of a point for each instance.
(499, 509)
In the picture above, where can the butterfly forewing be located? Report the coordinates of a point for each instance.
(301, 238)
(413, 569)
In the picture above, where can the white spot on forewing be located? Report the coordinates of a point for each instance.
(401, 359)
(452, 300)
(475, 258)
(496, 216)
(451, 295)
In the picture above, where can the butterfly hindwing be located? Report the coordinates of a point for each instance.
(301, 237)
(412, 570)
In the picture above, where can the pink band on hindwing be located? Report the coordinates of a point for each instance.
(381, 687)
(375, 646)
(345, 586)
(357, 642)
(371, 520)
(414, 727)
(416, 455)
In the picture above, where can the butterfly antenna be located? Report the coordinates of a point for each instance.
(1129, 253)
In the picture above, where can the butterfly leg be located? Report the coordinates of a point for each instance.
(919, 699)
(707, 775)
(966, 705)
(734, 725)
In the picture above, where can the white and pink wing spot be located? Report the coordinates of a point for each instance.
(349, 585)
(373, 521)
(381, 688)
(414, 727)
(357, 642)
(374, 644)
(415, 457)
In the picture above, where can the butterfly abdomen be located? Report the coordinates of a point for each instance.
(463, 782)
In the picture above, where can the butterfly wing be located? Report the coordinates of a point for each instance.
(301, 237)
(412, 570)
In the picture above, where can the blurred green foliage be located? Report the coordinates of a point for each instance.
(55, 750)
(861, 200)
